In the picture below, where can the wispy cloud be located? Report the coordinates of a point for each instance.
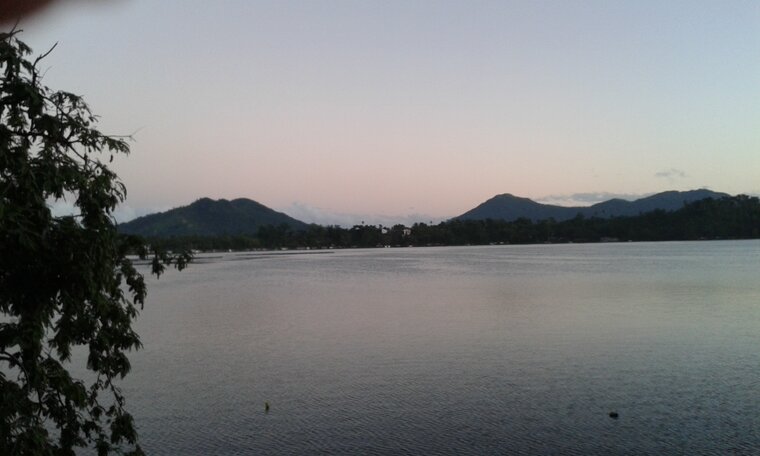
(587, 199)
(123, 212)
(62, 207)
(321, 216)
(671, 174)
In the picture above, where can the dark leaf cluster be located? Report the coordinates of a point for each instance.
(68, 291)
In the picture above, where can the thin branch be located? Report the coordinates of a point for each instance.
(34, 65)
(5, 356)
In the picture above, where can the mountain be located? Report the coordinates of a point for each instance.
(207, 217)
(509, 207)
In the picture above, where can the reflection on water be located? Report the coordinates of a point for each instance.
(470, 350)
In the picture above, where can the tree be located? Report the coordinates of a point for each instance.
(64, 281)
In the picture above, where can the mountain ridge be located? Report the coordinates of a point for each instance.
(208, 217)
(242, 216)
(509, 207)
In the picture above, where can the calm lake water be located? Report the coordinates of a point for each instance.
(465, 350)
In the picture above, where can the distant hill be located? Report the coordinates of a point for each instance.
(207, 217)
(509, 207)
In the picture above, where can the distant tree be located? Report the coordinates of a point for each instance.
(64, 281)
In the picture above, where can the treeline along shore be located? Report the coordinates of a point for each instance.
(734, 217)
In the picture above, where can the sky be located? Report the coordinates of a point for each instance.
(340, 110)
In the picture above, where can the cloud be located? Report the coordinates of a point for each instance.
(671, 174)
(321, 216)
(62, 207)
(123, 212)
(587, 199)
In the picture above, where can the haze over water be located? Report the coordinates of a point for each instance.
(463, 350)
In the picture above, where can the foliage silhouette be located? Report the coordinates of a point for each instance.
(64, 281)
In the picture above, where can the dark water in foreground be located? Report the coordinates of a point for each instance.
(471, 350)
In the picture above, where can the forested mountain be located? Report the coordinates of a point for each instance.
(207, 217)
(509, 207)
(736, 217)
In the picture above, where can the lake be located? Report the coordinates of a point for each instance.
(455, 350)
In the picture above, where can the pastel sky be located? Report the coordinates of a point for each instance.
(414, 107)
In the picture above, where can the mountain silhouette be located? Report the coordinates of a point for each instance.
(207, 217)
(509, 207)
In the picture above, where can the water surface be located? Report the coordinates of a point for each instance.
(462, 350)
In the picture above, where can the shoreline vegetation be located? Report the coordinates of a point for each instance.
(734, 217)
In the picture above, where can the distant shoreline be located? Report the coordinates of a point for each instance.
(729, 218)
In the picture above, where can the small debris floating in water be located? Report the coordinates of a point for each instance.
(266, 407)
(614, 415)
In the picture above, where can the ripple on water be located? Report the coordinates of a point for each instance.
(520, 350)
